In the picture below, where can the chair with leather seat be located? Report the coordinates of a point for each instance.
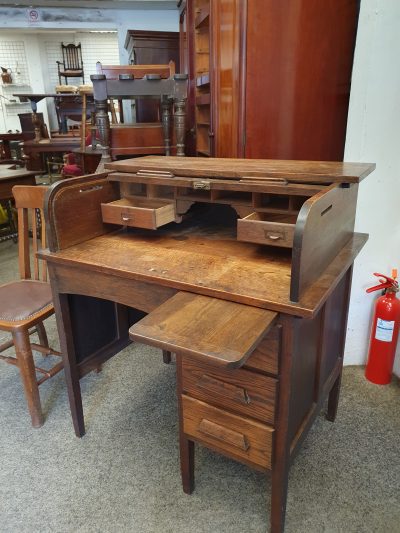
(26, 303)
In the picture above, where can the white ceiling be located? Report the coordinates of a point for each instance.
(103, 4)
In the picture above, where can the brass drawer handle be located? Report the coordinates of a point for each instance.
(273, 236)
(223, 434)
(227, 389)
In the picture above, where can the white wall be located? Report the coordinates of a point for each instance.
(373, 135)
(55, 25)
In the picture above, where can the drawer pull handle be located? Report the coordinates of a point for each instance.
(223, 434)
(125, 218)
(227, 389)
(273, 236)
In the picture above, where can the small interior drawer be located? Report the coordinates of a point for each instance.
(139, 212)
(234, 435)
(267, 228)
(238, 390)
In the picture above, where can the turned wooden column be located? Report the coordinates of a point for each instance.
(166, 105)
(179, 120)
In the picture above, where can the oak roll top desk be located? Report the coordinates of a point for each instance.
(242, 268)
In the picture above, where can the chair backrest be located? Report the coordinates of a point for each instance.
(139, 71)
(29, 200)
(72, 56)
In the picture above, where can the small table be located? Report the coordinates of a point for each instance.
(66, 104)
(9, 177)
(169, 91)
(60, 144)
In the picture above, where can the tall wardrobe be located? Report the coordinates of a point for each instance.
(268, 78)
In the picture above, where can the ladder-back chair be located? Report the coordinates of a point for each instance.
(72, 65)
(27, 302)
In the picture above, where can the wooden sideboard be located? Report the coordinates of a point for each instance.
(268, 79)
(242, 268)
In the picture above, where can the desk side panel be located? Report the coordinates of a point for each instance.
(324, 225)
(73, 210)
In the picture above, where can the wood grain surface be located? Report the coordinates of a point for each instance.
(302, 171)
(211, 329)
(233, 435)
(240, 391)
(212, 265)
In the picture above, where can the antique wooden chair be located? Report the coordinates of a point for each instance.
(27, 302)
(72, 65)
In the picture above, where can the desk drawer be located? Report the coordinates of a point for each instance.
(267, 228)
(139, 212)
(238, 390)
(232, 435)
(266, 356)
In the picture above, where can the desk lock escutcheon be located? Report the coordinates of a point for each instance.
(202, 185)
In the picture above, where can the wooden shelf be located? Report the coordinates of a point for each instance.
(202, 18)
(203, 99)
(203, 80)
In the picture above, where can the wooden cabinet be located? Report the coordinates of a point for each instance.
(268, 79)
(151, 48)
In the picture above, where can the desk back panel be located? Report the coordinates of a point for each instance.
(72, 210)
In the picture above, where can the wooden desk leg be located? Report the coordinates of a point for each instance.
(280, 465)
(186, 446)
(61, 306)
(166, 357)
(333, 399)
(166, 105)
(179, 123)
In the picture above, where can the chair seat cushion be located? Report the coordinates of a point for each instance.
(71, 73)
(23, 299)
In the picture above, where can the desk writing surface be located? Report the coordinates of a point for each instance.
(214, 265)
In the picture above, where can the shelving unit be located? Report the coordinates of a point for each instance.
(203, 82)
(11, 108)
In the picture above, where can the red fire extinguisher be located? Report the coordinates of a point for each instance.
(384, 332)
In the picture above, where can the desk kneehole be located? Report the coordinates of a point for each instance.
(267, 228)
(145, 213)
(238, 437)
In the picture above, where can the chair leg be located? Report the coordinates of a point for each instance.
(27, 368)
(42, 335)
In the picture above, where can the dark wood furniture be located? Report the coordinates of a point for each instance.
(28, 127)
(5, 139)
(258, 330)
(164, 70)
(71, 65)
(26, 303)
(151, 48)
(268, 79)
(9, 177)
(172, 94)
(36, 151)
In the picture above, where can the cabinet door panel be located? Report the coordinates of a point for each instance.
(298, 70)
